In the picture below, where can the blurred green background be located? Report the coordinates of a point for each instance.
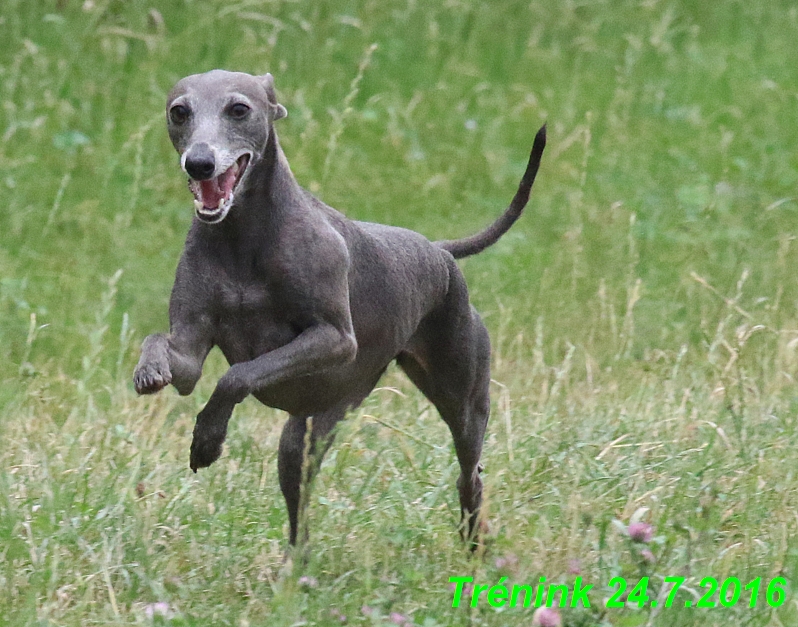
(647, 294)
(671, 147)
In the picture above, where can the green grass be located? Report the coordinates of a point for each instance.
(644, 312)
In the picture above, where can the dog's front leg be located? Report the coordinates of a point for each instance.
(153, 372)
(318, 348)
(175, 358)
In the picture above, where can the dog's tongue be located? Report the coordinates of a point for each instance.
(213, 191)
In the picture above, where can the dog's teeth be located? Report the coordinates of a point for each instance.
(198, 205)
(221, 203)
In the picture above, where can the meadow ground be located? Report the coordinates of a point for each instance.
(644, 311)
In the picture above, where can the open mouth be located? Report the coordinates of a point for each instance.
(214, 197)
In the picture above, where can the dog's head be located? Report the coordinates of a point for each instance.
(220, 122)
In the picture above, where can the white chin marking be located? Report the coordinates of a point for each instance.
(213, 216)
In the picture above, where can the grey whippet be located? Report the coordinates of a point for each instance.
(309, 307)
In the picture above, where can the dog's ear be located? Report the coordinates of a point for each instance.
(278, 110)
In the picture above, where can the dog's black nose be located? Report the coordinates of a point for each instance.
(200, 163)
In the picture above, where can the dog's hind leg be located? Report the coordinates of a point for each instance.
(303, 443)
(449, 361)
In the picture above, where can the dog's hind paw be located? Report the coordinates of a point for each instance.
(149, 379)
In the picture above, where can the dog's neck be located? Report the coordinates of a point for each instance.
(272, 184)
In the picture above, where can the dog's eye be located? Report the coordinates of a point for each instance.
(178, 114)
(239, 110)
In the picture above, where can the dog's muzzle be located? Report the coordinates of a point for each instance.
(213, 179)
(200, 162)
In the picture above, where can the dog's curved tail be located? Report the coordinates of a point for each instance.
(477, 243)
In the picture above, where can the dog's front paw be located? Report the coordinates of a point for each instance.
(210, 432)
(204, 451)
(151, 378)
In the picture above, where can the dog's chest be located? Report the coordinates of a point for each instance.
(241, 298)
(250, 322)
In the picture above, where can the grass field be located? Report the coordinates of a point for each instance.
(644, 311)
